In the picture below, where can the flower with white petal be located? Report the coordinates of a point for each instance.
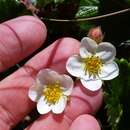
(94, 63)
(51, 91)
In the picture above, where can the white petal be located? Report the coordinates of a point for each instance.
(109, 71)
(74, 66)
(46, 76)
(60, 106)
(84, 53)
(67, 84)
(42, 106)
(92, 85)
(106, 51)
(88, 47)
(33, 94)
(35, 91)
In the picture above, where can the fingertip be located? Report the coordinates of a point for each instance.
(95, 99)
(85, 122)
(19, 38)
(25, 18)
(66, 47)
(30, 30)
(50, 122)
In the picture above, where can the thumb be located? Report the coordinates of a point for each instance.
(85, 122)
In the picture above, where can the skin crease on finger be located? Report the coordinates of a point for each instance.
(85, 122)
(17, 39)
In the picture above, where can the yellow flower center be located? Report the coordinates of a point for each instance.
(92, 65)
(52, 93)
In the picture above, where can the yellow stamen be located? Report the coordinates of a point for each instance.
(52, 93)
(92, 65)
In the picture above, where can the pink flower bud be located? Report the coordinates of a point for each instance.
(96, 34)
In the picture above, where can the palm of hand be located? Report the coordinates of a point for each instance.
(19, 38)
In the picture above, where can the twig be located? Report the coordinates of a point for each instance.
(88, 19)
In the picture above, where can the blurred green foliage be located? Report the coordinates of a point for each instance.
(127, 1)
(116, 98)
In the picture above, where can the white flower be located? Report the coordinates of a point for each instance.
(94, 64)
(51, 91)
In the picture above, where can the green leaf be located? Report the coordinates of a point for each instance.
(87, 8)
(113, 106)
(116, 94)
(86, 11)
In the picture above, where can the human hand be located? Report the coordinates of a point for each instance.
(19, 38)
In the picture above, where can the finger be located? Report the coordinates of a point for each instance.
(85, 122)
(14, 101)
(81, 102)
(50, 122)
(19, 38)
